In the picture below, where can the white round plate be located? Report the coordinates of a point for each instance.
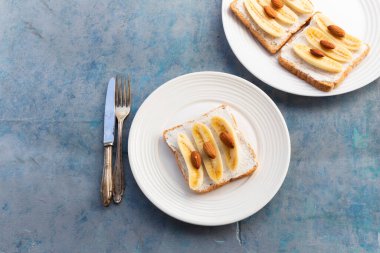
(184, 98)
(359, 17)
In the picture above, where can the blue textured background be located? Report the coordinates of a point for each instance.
(55, 60)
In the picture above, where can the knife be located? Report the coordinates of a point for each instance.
(108, 139)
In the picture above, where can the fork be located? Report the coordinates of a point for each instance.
(122, 110)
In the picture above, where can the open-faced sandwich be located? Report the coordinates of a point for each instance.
(322, 53)
(210, 151)
(273, 22)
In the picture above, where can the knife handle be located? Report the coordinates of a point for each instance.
(106, 187)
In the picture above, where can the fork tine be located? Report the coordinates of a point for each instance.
(129, 91)
(116, 91)
(125, 92)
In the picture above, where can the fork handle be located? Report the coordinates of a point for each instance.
(106, 186)
(118, 172)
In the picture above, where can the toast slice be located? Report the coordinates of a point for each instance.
(320, 78)
(247, 162)
(271, 43)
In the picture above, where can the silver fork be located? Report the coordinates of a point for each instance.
(122, 110)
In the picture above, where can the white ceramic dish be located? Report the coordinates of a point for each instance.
(358, 17)
(184, 98)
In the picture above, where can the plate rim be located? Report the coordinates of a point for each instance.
(263, 79)
(244, 82)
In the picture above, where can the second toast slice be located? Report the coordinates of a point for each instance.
(346, 53)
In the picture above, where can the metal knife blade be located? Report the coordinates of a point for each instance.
(109, 114)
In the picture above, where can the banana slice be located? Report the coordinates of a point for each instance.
(257, 13)
(349, 41)
(339, 53)
(300, 6)
(214, 167)
(195, 175)
(324, 63)
(285, 14)
(220, 125)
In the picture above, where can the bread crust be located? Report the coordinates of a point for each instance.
(213, 186)
(321, 85)
(247, 22)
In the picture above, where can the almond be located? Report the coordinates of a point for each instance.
(196, 159)
(270, 11)
(277, 4)
(336, 31)
(327, 44)
(209, 150)
(317, 53)
(227, 139)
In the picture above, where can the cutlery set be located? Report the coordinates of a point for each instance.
(117, 106)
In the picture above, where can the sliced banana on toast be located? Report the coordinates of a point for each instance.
(336, 33)
(195, 175)
(257, 13)
(300, 6)
(284, 14)
(322, 54)
(205, 142)
(221, 167)
(324, 63)
(315, 37)
(228, 138)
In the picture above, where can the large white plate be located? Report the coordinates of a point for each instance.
(183, 98)
(359, 17)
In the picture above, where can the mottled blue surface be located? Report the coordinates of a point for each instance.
(55, 60)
